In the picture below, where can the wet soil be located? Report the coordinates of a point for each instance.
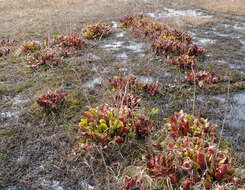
(36, 144)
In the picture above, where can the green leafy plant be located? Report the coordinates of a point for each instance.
(106, 124)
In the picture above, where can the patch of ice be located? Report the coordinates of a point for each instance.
(92, 56)
(240, 26)
(54, 185)
(190, 12)
(136, 47)
(123, 69)
(122, 55)
(9, 114)
(20, 159)
(114, 24)
(145, 79)
(243, 44)
(223, 35)
(93, 82)
(114, 45)
(206, 41)
(151, 14)
(120, 35)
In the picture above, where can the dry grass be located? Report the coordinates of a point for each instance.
(186, 21)
(236, 7)
(36, 146)
(33, 18)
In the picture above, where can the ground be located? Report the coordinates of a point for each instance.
(35, 146)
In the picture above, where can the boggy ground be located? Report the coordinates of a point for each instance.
(35, 147)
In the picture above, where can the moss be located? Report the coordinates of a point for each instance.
(75, 104)
(4, 91)
(21, 87)
(7, 104)
(225, 145)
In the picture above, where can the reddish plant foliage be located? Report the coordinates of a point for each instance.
(184, 61)
(52, 100)
(130, 84)
(190, 160)
(97, 31)
(132, 183)
(126, 99)
(6, 46)
(51, 51)
(31, 47)
(181, 124)
(188, 156)
(67, 44)
(201, 78)
(151, 88)
(165, 41)
(42, 57)
(123, 82)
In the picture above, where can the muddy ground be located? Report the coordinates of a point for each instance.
(35, 147)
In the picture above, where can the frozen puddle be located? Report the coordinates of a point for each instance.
(239, 27)
(122, 55)
(114, 45)
(173, 13)
(190, 12)
(114, 24)
(92, 83)
(243, 44)
(136, 47)
(205, 41)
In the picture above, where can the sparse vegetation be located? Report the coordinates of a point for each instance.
(6, 46)
(105, 129)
